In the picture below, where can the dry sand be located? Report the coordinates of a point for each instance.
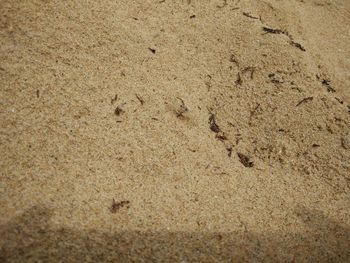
(221, 130)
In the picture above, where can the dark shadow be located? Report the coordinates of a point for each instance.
(30, 238)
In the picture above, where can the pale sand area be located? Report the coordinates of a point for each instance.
(223, 127)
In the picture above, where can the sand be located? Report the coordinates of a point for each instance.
(175, 131)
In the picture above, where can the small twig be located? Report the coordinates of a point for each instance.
(245, 160)
(212, 122)
(297, 45)
(279, 31)
(273, 31)
(339, 100)
(304, 100)
(140, 99)
(250, 16)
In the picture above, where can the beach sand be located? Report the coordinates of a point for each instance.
(175, 131)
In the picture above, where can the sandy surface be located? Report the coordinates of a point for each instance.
(175, 131)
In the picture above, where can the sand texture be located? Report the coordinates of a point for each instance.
(175, 131)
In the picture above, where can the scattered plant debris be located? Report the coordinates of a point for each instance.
(212, 122)
(245, 160)
(117, 205)
(192, 16)
(315, 145)
(37, 93)
(304, 100)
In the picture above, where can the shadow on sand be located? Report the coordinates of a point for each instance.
(30, 238)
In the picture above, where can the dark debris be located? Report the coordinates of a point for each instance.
(117, 205)
(221, 137)
(327, 84)
(140, 99)
(250, 16)
(152, 50)
(245, 160)
(118, 111)
(229, 151)
(212, 122)
(273, 31)
(297, 45)
(239, 80)
(304, 100)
